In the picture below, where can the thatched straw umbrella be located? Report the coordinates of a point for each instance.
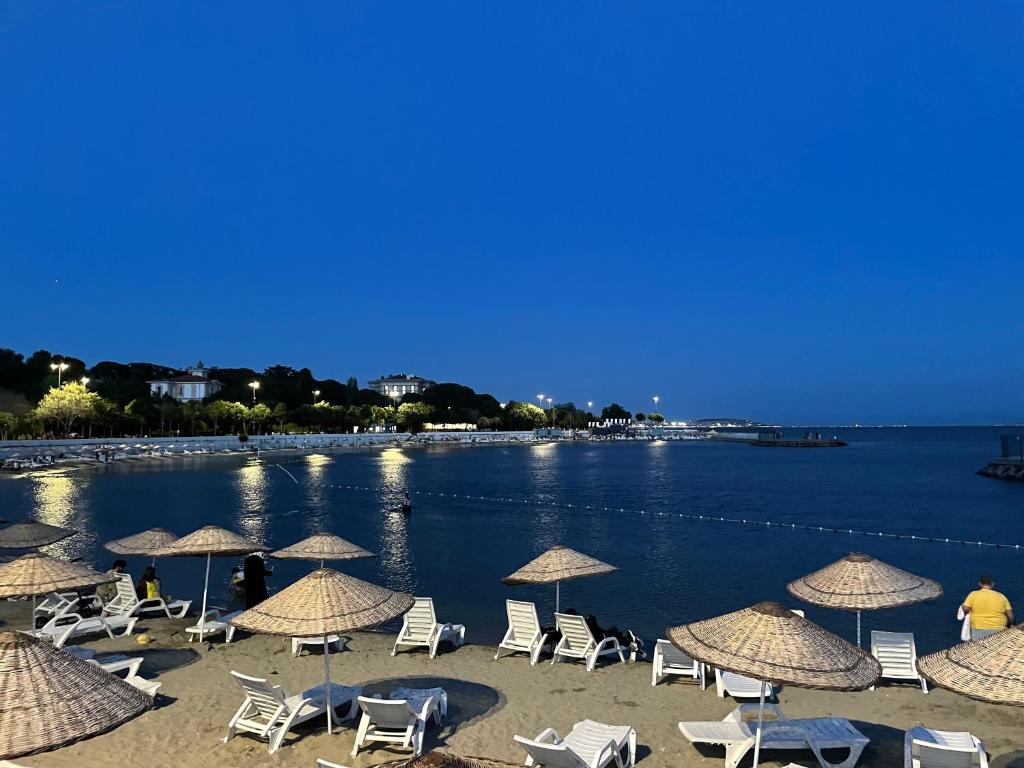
(49, 698)
(324, 603)
(774, 645)
(989, 670)
(861, 583)
(210, 540)
(556, 565)
(38, 574)
(29, 534)
(146, 544)
(322, 547)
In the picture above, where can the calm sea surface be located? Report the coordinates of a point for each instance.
(917, 481)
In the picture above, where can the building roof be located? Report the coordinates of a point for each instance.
(401, 377)
(184, 379)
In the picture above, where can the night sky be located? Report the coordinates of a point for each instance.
(797, 212)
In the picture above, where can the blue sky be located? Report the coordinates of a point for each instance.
(790, 211)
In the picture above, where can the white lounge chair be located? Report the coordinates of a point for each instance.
(269, 712)
(127, 603)
(524, 633)
(57, 602)
(736, 733)
(420, 628)
(69, 626)
(130, 666)
(740, 687)
(926, 748)
(215, 624)
(897, 653)
(402, 720)
(578, 642)
(337, 642)
(669, 660)
(587, 745)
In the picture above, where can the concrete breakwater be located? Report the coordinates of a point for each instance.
(1004, 469)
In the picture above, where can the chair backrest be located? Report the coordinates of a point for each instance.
(267, 699)
(393, 714)
(126, 591)
(673, 656)
(551, 755)
(522, 619)
(574, 631)
(932, 755)
(896, 652)
(420, 619)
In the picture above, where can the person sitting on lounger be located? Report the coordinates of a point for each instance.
(989, 610)
(107, 592)
(149, 585)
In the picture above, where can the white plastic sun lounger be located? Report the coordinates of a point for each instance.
(337, 642)
(56, 603)
(524, 634)
(68, 626)
(578, 642)
(740, 687)
(927, 748)
(897, 653)
(215, 624)
(420, 628)
(130, 666)
(669, 660)
(400, 721)
(127, 603)
(269, 712)
(737, 735)
(588, 745)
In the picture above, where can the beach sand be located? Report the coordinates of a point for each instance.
(489, 702)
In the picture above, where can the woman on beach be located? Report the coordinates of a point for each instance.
(255, 580)
(149, 585)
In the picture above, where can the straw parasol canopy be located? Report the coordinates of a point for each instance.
(989, 670)
(49, 698)
(774, 645)
(859, 582)
(37, 574)
(29, 534)
(769, 642)
(556, 565)
(147, 543)
(209, 540)
(323, 546)
(447, 760)
(321, 604)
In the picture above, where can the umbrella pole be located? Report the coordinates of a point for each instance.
(760, 724)
(858, 629)
(206, 586)
(327, 680)
(558, 596)
(32, 624)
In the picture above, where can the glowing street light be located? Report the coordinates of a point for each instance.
(59, 368)
(316, 394)
(255, 385)
(552, 412)
(540, 399)
(85, 380)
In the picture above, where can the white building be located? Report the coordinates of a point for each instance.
(399, 384)
(195, 384)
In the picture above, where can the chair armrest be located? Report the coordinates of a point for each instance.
(130, 665)
(549, 735)
(737, 714)
(609, 750)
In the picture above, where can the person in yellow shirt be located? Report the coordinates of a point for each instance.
(989, 610)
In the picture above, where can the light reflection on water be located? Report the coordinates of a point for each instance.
(549, 529)
(314, 518)
(396, 561)
(252, 482)
(58, 500)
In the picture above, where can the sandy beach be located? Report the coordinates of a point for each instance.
(489, 702)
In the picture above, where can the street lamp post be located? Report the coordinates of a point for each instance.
(59, 368)
(552, 413)
(255, 385)
(316, 394)
(656, 399)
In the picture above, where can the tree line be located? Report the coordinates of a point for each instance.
(111, 399)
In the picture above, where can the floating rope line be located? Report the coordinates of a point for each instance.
(695, 518)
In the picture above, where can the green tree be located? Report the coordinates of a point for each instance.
(71, 403)
(218, 411)
(260, 414)
(8, 423)
(614, 411)
(280, 415)
(520, 416)
(192, 411)
(641, 417)
(412, 416)
(657, 418)
(142, 410)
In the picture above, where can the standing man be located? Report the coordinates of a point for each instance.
(989, 610)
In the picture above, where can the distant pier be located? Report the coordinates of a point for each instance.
(1010, 464)
(774, 439)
